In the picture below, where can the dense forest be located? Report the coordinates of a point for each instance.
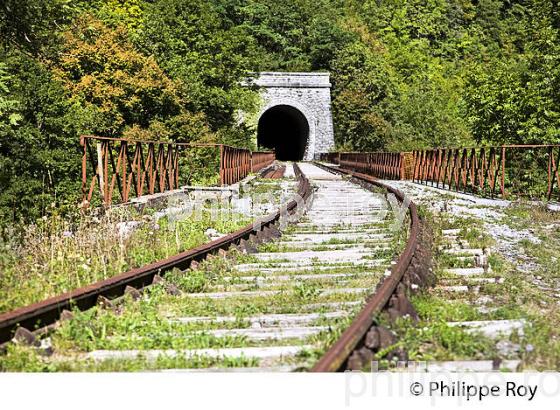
(405, 73)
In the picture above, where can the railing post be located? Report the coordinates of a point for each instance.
(99, 149)
(222, 165)
(461, 169)
(83, 142)
(503, 173)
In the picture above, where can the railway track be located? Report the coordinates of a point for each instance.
(264, 305)
(481, 292)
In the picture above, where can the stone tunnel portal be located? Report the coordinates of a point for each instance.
(284, 129)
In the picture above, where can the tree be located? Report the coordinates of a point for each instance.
(30, 25)
(40, 156)
(101, 69)
(363, 84)
(209, 55)
(516, 100)
(8, 106)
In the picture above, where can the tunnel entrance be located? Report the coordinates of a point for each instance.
(284, 129)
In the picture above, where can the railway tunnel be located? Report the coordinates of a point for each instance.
(284, 129)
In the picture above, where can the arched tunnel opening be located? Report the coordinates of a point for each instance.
(284, 129)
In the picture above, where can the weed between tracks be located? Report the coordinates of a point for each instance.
(156, 321)
(531, 294)
(21, 358)
(153, 323)
(274, 187)
(432, 338)
(57, 255)
(538, 275)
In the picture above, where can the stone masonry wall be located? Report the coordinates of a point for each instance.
(310, 93)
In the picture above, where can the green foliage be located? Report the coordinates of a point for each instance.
(428, 113)
(103, 72)
(363, 85)
(30, 25)
(294, 35)
(8, 107)
(39, 157)
(406, 74)
(194, 44)
(516, 99)
(127, 13)
(58, 254)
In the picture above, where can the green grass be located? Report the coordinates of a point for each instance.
(435, 340)
(149, 322)
(20, 358)
(143, 324)
(516, 298)
(432, 339)
(59, 254)
(541, 345)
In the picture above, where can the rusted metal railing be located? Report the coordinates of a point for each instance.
(492, 171)
(43, 315)
(384, 165)
(120, 169)
(135, 168)
(261, 159)
(330, 157)
(235, 164)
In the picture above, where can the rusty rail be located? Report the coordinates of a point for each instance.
(43, 314)
(383, 165)
(235, 164)
(337, 356)
(261, 159)
(330, 157)
(120, 169)
(491, 171)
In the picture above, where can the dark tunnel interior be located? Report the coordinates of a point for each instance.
(284, 129)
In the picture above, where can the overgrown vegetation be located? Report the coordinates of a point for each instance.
(406, 74)
(194, 318)
(528, 296)
(153, 322)
(59, 255)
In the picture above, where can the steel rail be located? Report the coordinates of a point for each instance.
(261, 159)
(337, 355)
(47, 312)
